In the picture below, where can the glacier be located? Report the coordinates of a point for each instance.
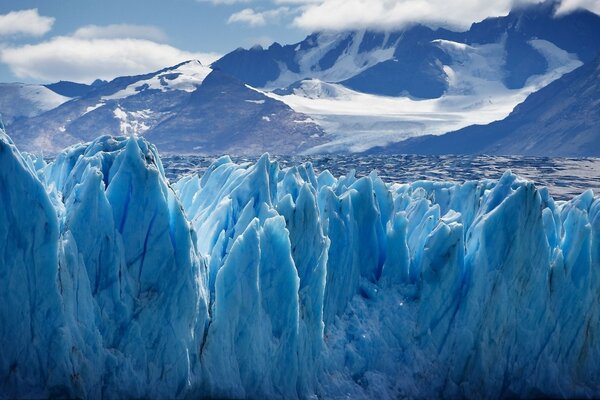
(253, 281)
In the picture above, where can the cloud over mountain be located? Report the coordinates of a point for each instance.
(393, 14)
(85, 59)
(339, 15)
(120, 31)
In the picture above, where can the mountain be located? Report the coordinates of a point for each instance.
(357, 121)
(342, 57)
(224, 116)
(74, 89)
(409, 61)
(253, 282)
(562, 119)
(187, 108)
(349, 92)
(19, 100)
(383, 88)
(576, 33)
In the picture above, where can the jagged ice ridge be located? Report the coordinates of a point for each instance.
(257, 282)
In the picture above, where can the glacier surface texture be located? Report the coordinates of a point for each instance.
(256, 282)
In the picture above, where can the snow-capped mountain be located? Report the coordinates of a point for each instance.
(411, 61)
(339, 57)
(19, 100)
(562, 119)
(358, 121)
(188, 108)
(369, 89)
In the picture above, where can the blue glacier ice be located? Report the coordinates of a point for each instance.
(253, 281)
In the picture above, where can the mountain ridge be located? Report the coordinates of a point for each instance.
(139, 104)
(414, 42)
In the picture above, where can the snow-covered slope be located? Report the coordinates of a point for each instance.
(256, 282)
(335, 57)
(185, 77)
(340, 57)
(20, 100)
(187, 108)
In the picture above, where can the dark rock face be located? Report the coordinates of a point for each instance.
(74, 89)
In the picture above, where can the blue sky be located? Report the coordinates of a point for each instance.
(190, 25)
(80, 40)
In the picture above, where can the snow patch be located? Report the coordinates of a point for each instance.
(186, 77)
(132, 123)
(92, 108)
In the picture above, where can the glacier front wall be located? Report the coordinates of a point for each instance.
(257, 282)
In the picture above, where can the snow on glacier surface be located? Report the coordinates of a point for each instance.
(253, 281)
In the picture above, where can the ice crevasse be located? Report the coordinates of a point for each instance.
(252, 281)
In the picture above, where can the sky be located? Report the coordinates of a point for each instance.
(45, 41)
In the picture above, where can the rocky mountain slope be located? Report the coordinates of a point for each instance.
(188, 108)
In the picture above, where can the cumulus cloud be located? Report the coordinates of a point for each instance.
(25, 22)
(571, 5)
(227, 2)
(257, 18)
(121, 31)
(248, 16)
(393, 14)
(297, 2)
(83, 60)
(264, 41)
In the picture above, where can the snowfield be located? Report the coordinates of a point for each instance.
(20, 100)
(256, 282)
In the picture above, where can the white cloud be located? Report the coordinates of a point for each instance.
(567, 6)
(25, 22)
(247, 16)
(121, 31)
(257, 18)
(227, 2)
(394, 14)
(264, 41)
(298, 2)
(83, 60)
